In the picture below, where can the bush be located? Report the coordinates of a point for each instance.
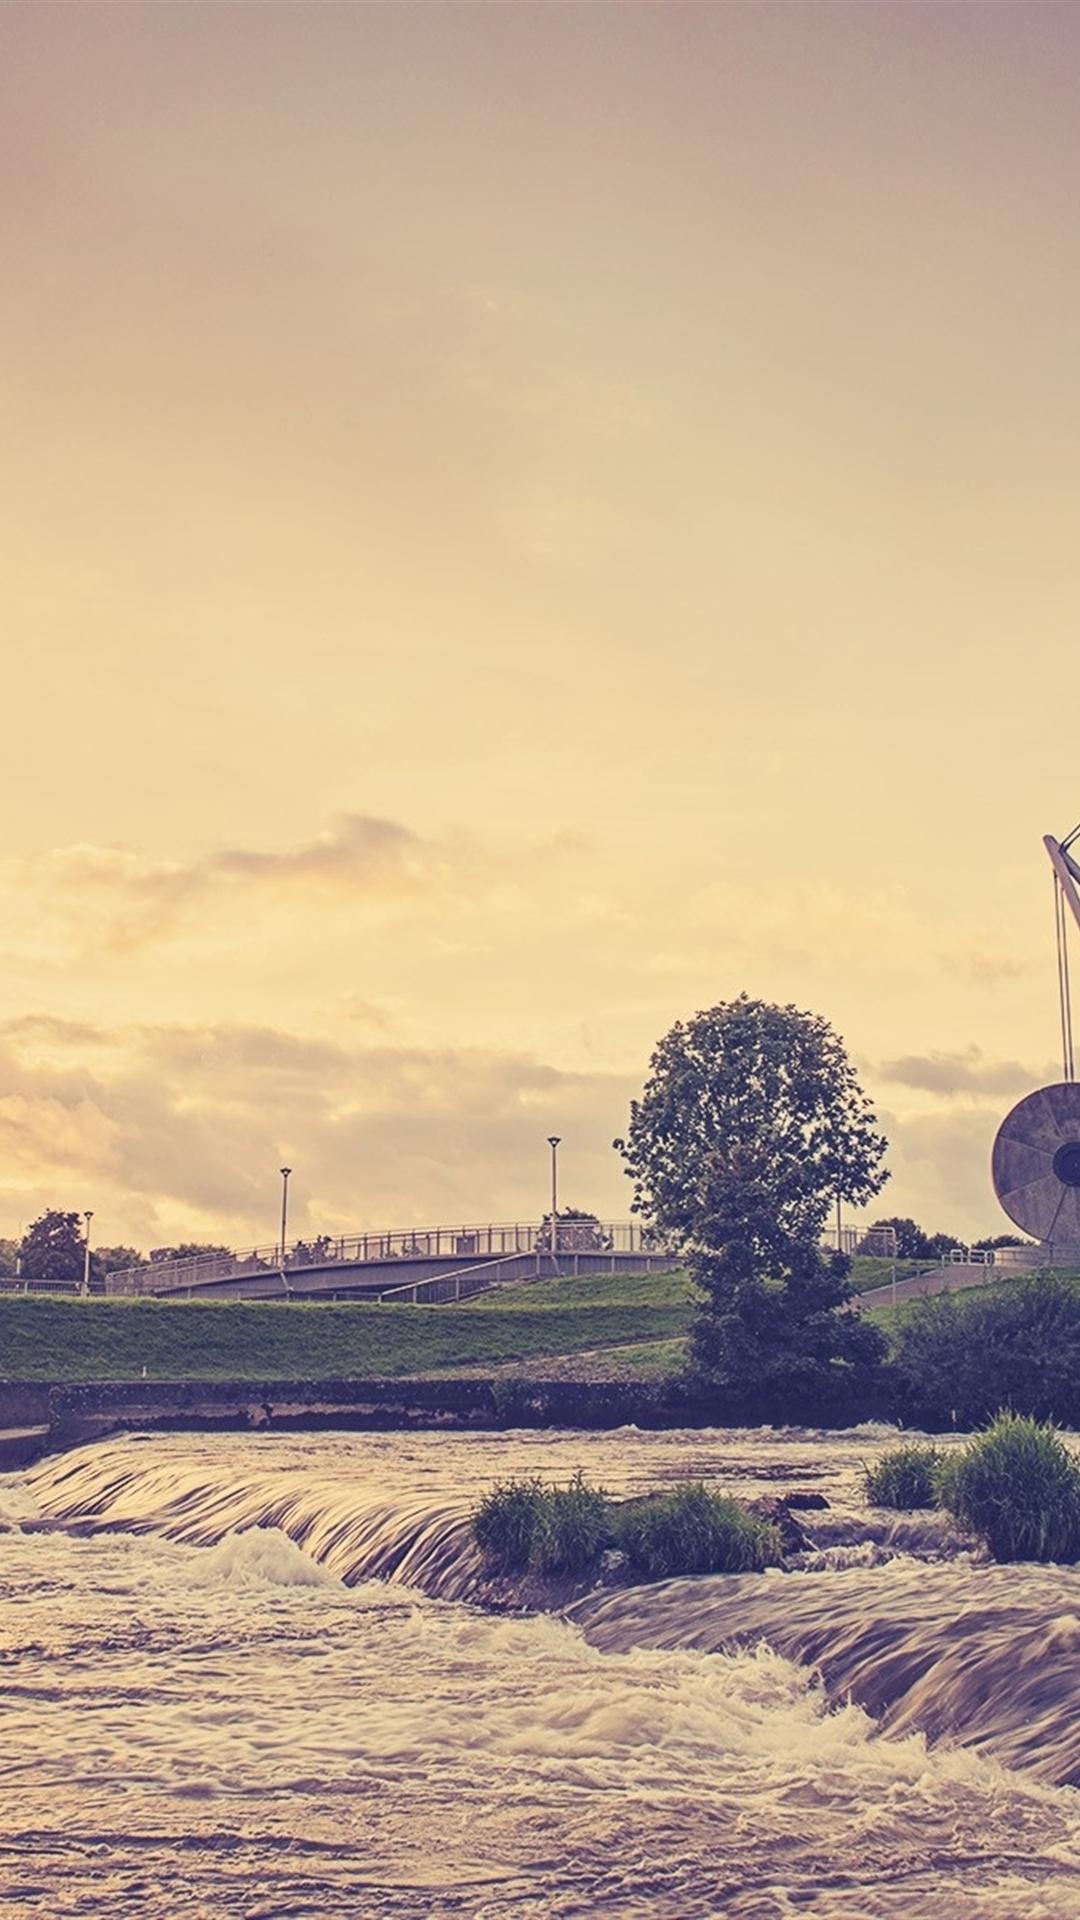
(551, 1529)
(783, 1330)
(959, 1357)
(526, 1525)
(904, 1478)
(692, 1530)
(1018, 1485)
(574, 1525)
(505, 1523)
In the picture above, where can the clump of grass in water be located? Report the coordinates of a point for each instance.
(692, 1530)
(574, 1526)
(1018, 1485)
(525, 1525)
(505, 1523)
(904, 1478)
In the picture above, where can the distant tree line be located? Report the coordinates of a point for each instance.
(913, 1243)
(54, 1248)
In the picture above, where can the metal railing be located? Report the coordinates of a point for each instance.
(22, 1283)
(878, 1241)
(462, 1284)
(489, 1240)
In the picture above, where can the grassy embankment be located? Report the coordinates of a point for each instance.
(640, 1318)
(600, 1327)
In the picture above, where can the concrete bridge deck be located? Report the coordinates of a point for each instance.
(412, 1263)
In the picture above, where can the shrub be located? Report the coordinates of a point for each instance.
(692, 1530)
(959, 1357)
(1017, 1485)
(505, 1523)
(523, 1524)
(904, 1478)
(574, 1525)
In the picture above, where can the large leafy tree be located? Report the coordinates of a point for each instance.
(751, 1125)
(751, 1112)
(53, 1247)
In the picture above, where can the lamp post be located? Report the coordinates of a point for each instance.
(87, 1216)
(285, 1172)
(553, 1143)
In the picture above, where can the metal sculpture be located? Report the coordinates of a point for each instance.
(1036, 1158)
(1036, 1164)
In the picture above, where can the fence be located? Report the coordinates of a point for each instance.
(473, 1244)
(487, 1241)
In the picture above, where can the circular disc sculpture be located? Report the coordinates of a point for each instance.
(1036, 1164)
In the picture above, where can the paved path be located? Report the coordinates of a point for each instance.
(949, 1279)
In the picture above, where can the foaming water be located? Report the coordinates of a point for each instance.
(240, 1681)
(989, 1656)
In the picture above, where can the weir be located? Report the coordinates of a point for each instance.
(895, 1614)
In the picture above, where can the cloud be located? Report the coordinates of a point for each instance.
(983, 966)
(184, 1135)
(144, 899)
(119, 898)
(50, 1029)
(967, 1072)
(940, 1165)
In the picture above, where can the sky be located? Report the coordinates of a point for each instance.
(522, 522)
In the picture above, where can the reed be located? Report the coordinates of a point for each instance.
(525, 1526)
(574, 1525)
(506, 1522)
(1019, 1486)
(905, 1478)
(693, 1530)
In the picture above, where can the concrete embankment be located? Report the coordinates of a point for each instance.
(62, 1416)
(39, 1418)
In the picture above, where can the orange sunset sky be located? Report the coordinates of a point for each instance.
(520, 522)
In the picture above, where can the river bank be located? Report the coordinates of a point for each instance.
(64, 1415)
(38, 1417)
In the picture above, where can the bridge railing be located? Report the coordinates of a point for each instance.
(488, 1240)
(462, 1284)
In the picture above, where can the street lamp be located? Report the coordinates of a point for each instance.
(553, 1143)
(87, 1216)
(285, 1172)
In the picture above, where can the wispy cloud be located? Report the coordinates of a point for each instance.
(126, 899)
(966, 1072)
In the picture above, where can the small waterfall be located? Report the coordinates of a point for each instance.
(356, 1533)
(967, 1653)
(983, 1656)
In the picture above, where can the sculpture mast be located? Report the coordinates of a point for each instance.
(1066, 876)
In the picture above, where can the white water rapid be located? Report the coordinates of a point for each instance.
(242, 1678)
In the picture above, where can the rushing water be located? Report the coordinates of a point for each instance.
(242, 1677)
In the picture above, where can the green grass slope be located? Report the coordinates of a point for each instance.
(596, 1327)
(82, 1340)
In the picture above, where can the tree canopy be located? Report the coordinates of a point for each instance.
(53, 1247)
(751, 1111)
(579, 1231)
(912, 1243)
(751, 1125)
(186, 1250)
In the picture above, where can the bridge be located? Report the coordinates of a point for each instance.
(417, 1265)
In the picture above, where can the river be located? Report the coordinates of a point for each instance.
(243, 1677)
